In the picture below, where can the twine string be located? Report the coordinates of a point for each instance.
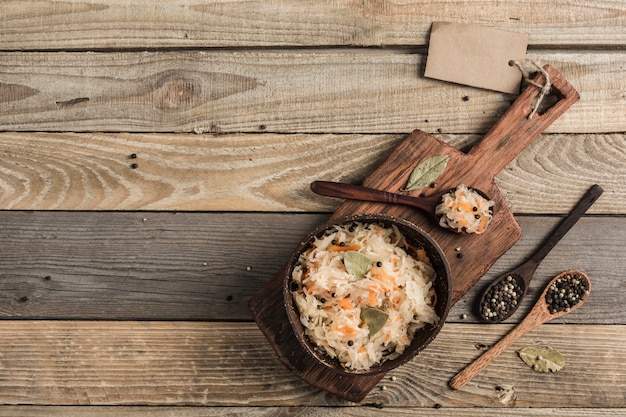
(544, 89)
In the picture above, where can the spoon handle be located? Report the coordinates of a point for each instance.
(537, 316)
(577, 212)
(357, 192)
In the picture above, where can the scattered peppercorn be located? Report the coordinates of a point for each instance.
(566, 292)
(350, 343)
(379, 264)
(501, 299)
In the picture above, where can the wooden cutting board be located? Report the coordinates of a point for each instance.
(469, 256)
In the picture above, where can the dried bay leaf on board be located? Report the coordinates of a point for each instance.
(426, 172)
(356, 263)
(542, 359)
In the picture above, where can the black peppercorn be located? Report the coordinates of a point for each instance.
(501, 299)
(566, 292)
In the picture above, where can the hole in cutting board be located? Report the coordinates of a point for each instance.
(548, 101)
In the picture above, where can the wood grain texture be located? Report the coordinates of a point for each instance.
(369, 410)
(206, 266)
(338, 91)
(140, 24)
(220, 364)
(272, 172)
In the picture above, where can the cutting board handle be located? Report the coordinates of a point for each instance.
(514, 131)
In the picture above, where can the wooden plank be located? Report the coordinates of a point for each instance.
(364, 411)
(272, 172)
(206, 266)
(142, 24)
(221, 364)
(345, 91)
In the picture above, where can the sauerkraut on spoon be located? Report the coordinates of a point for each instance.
(461, 210)
(465, 209)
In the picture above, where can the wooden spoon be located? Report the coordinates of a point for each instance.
(518, 279)
(358, 192)
(545, 309)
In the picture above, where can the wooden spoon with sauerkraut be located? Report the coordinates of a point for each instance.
(462, 210)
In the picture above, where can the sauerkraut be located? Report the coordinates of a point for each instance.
(361, 296)
(464, 209)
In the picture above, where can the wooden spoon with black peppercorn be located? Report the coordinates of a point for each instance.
(564, 293)
(502, 297)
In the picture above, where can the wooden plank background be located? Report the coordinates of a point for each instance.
(154, 169)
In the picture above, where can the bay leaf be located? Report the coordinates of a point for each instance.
(374, 318)
(356, 263)
(542, 359)
(426, 172)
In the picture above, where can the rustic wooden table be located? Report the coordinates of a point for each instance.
(154, 171)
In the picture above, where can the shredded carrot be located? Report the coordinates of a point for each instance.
(383, 277)
(482, 225)
(372, 298)
(345, 304)
(362, 350)
(337, 248)
(465, 206)
(347, 330)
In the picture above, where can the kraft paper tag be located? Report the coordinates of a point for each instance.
(475, 55)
